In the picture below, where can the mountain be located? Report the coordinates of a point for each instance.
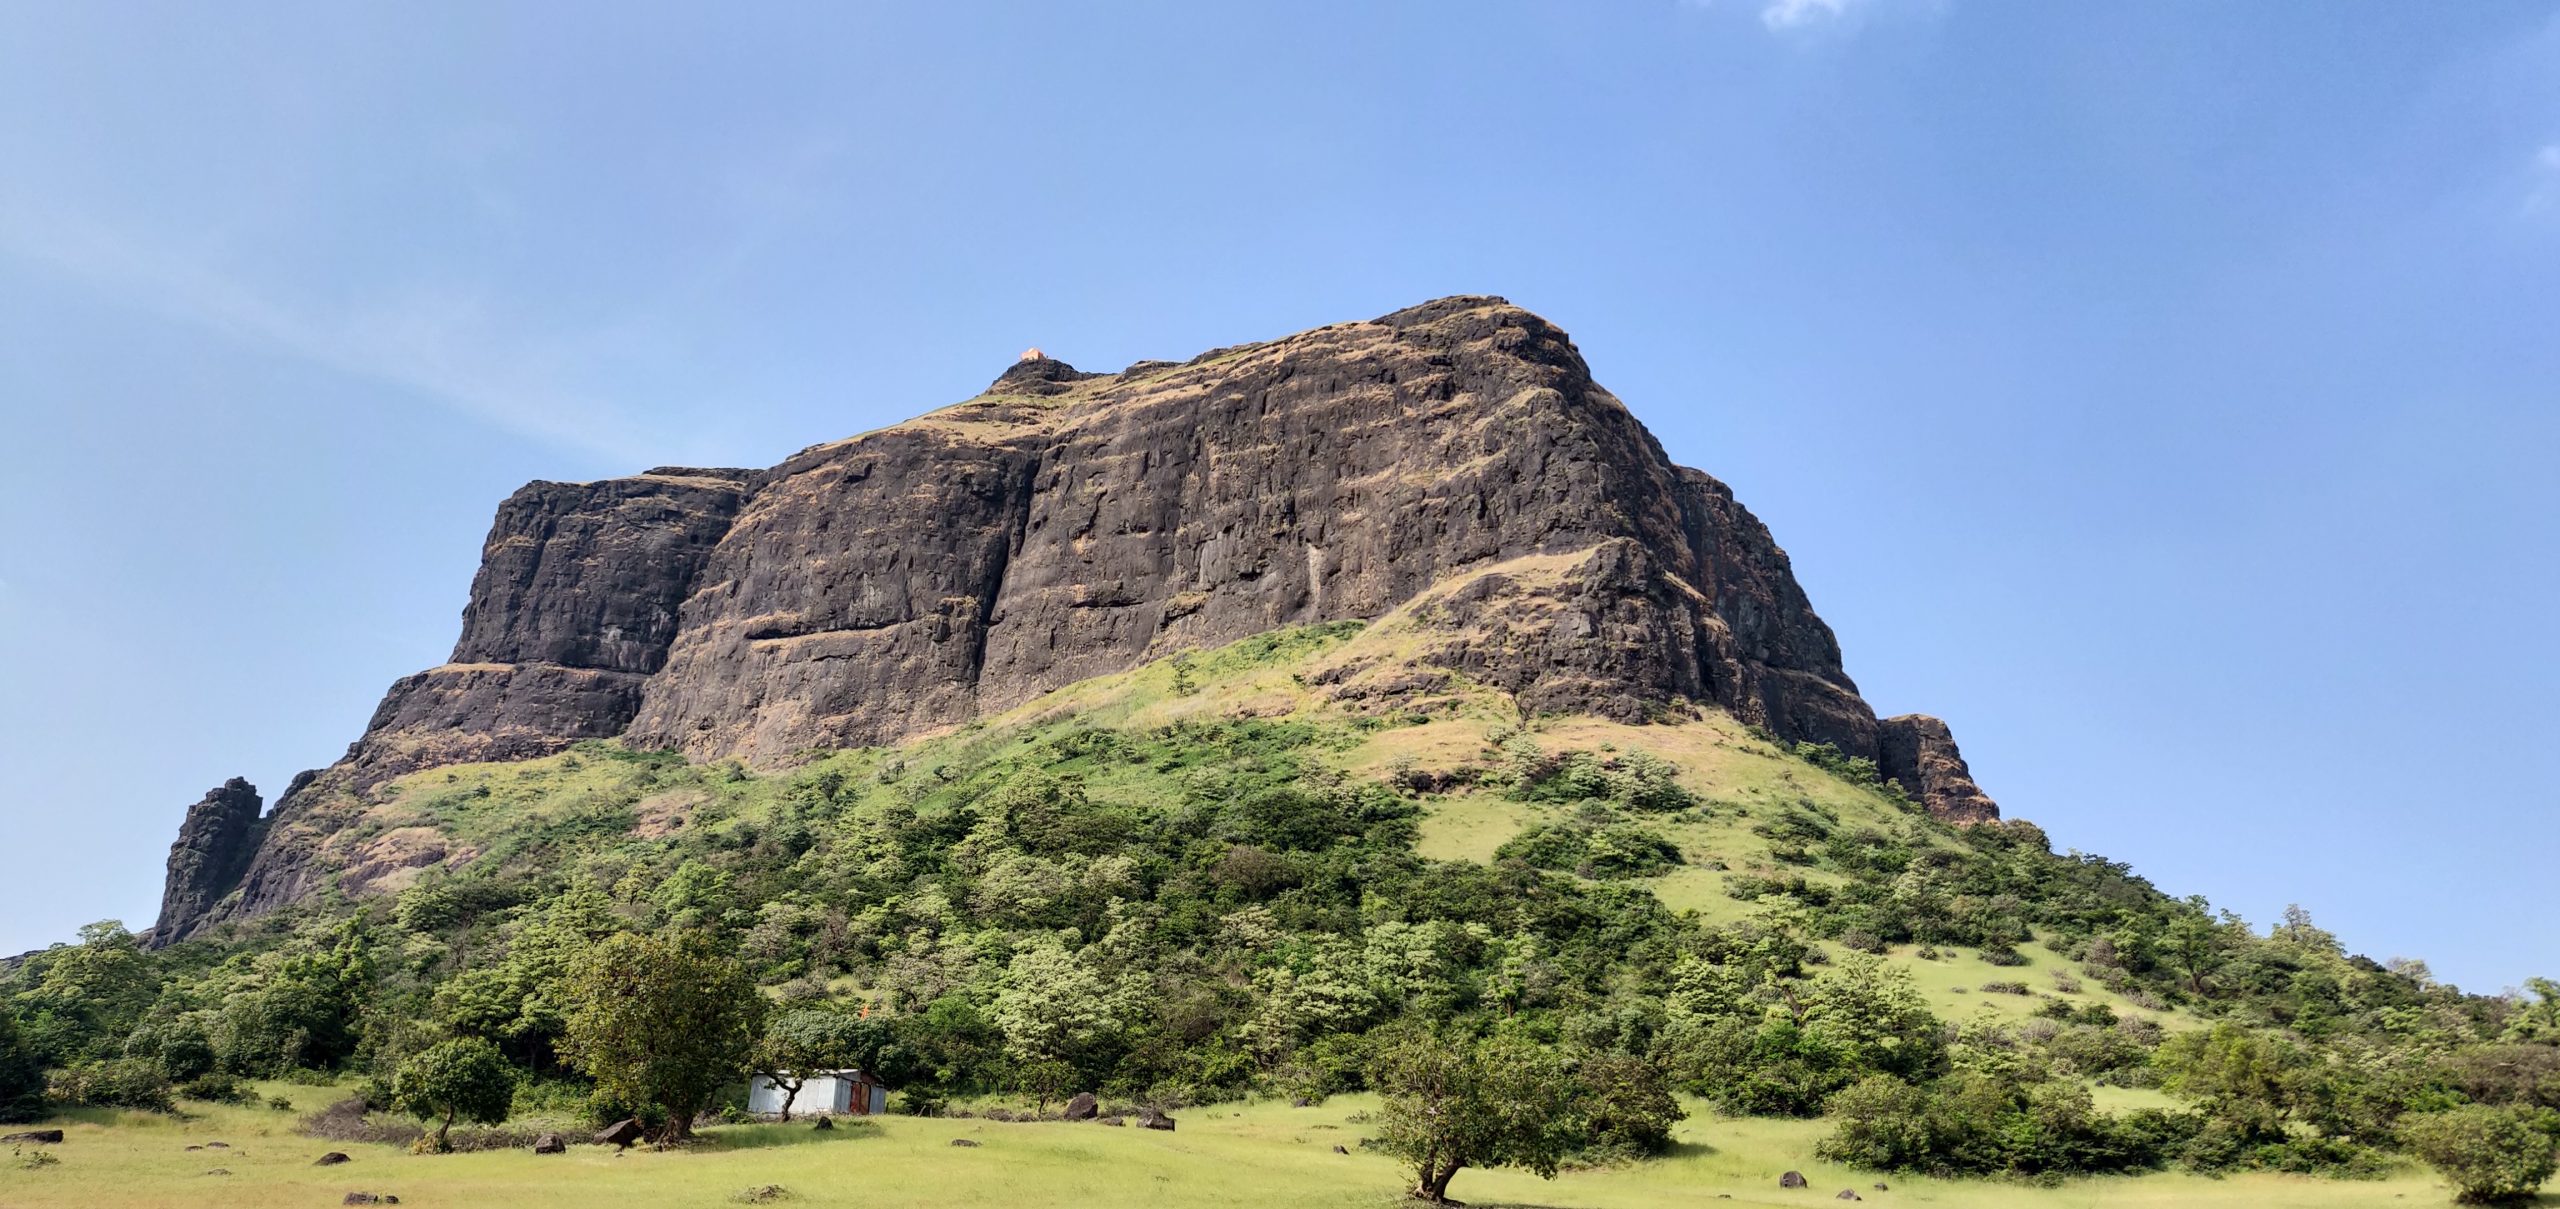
(1452, 465)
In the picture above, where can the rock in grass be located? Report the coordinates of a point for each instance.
(621, 1133)
(331, 1159)
(549, 1143)
(765, 1195)
(1083, 1107)
(1848, 1194)
(1792, 1179)
(219, 1171)
(1149, 1118)
(41, 1137)
(964, 1142)
(824, 1123)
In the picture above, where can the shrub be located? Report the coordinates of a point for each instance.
(2488, 1154)
(215, 1087)
(114, 1083)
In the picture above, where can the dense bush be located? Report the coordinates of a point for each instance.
(113, 1083)
(21, 1075)
(1976, 1124)
(2488, 1154)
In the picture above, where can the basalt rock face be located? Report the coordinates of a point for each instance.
(1919, 752)
(574, 607)
(1453, 464)
(214, 848)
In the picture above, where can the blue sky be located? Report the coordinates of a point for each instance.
(2166, 394)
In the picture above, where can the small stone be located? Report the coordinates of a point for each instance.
(963, 1142)
(217, 1145)
(824, 1123)
(331, 1159)
(219, 1171)
(1149, 1118)
(1792, 1179)
(1848, 1194)
(1880, 1185)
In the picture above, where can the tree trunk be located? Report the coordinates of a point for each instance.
(790, 1092)
(444, 1130)
(1433, 1186)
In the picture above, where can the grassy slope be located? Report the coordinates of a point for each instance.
(1258, 1155)
(574, 804)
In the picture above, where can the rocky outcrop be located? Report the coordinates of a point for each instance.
(1919, 753)
(1066, 524)
(215, 844)
(574, 607)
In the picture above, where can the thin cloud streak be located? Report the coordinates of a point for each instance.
(423, 346)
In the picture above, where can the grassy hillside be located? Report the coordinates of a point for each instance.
(1227, 879)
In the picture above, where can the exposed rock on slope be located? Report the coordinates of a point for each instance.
(1920, 752)
(1453, 460)
(214, 845)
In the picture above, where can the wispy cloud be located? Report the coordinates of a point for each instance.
(1802, 14)
(2542, 195)
(439, 347)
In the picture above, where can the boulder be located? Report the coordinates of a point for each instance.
(823, 1123)
(331, 1159)
(549, 1143)
(41, 1137)
(622, 1133)
(1082, 1108)
(1792, 1179)
(1149, 1118)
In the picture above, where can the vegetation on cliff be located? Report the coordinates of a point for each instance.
(1199, 883)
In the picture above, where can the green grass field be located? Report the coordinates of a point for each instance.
(1265, 1154)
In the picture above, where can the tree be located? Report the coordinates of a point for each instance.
(21, 1076)
(2249, 1081)
(2489, 1155)
(2537, 1019)
(465, 1078)
(1458, 1103)
(802, 1044)
(1052, 1006)
(664, 1022)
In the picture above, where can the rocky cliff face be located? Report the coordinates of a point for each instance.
(1919, 752)
(214, 847)
(1064, 525)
